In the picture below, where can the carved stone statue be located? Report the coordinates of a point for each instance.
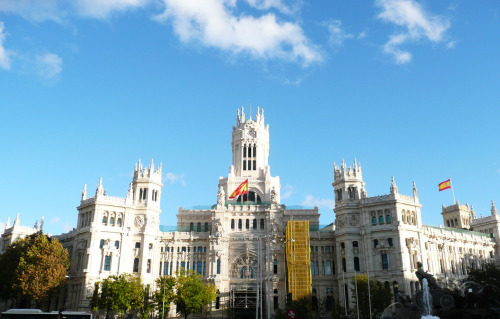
(221, 196)
(421, 274)
(274, 197)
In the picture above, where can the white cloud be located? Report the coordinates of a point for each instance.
(4, 54)
(34, 10)
(173, 178)
(103, 8)
(48, 65)
(361, 35)
(67, 227)
(450, 45)
(336, 34)
(269, 4)
(287, 191)
(213, 23)
(416, 24)
(311, 201)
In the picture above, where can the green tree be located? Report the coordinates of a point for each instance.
(490, 275)
(33, 267)
(10, 261)
(192, 294)
(118, 294)
(147, 305)
(164, 294)
(379, 294)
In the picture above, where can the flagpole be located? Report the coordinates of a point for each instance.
(451, 184)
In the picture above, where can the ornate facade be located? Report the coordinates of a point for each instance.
(239, 244)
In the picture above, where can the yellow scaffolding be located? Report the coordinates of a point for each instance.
(298, 259)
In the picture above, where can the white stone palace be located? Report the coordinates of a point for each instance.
(239, 244)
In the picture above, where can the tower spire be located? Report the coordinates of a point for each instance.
(493, 209)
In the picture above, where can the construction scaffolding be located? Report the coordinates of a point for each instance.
(298, 259)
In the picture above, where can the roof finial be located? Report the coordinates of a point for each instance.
(394, 187)
(493, 209)
(84, 192)
(415, 193)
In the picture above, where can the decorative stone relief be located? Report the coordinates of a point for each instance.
(139, 221)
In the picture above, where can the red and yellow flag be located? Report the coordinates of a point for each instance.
(444, 185)
(242, 189)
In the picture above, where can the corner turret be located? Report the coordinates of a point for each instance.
(348, 182)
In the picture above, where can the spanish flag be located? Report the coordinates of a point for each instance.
(444, 185)
(242, 189)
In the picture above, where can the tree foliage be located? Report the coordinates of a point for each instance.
(379, 294)
(164, 294)
(33, 267)
(147, 305)
(490, 275)
(191, 293)
(118, 294)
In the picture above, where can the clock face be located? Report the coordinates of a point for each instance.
(251, 133)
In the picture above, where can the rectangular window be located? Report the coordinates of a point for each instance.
(249, 165)
(165, 270)
(312, 268)
(137, 245)
(275, 303)
(254, 165)
(107, 263)
(374, 220)
(198, 267)
(244, 165)
(204, 268)
(117, 244)
(385, 261)
(275, 266)
(159, 273)
(381, 219)
(328, 267)
(136, 265)
(217, 302)
(149, 266)
(183, 264)
(218, 266)
(245, 151)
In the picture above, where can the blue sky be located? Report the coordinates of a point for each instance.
(408, 88)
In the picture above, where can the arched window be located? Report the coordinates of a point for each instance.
(232, 224)
(251, 272)
(374, 220)
(355, 244)
(119, 222)
(240, 224)
(101, 243)
(191, 226)
(388, 219)
(262, 223)
(247, 224)
(206, 226)
(254, 224)
(198, 227)
(344, 265)
(104, 219)
(243, 271)
(112, 220)
(381, 219)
